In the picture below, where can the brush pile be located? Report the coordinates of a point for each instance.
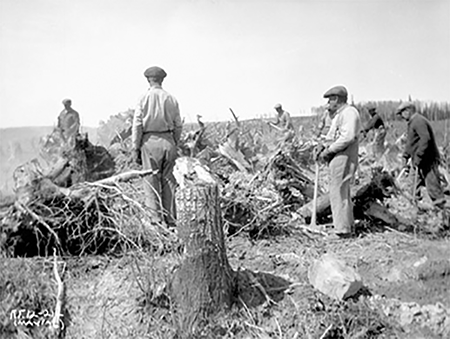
(70, 206)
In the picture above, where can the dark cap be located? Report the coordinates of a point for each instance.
(340, 91)
(155, 72)
(66, 101)
(405, 105)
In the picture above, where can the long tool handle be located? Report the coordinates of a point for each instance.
(316, 188)
(416, 179)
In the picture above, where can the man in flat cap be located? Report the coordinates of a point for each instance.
(68, 122)
(283, 122)
(341, 153)
(422, 149)
(377, 125)
(156, 132)
(283, 119)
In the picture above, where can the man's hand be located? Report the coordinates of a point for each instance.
(317, 151)
(137, 156)
(326, 156)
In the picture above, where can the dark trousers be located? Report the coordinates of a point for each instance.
(430, 177)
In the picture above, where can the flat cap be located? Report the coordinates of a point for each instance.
(405, 105)
(66, 101)
(277, 106)
(155, 72)
(340, 91)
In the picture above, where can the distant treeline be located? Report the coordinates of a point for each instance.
(431, 110)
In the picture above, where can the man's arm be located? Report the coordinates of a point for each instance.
(287, 120)
(137, 129)
(177, 123)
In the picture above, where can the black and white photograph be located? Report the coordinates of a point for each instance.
(220, 169)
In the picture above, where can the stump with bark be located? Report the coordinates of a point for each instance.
(204, 284)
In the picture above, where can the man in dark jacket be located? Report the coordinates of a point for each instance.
(421, 147)
(69, 122)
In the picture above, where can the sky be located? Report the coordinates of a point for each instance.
(246, 55)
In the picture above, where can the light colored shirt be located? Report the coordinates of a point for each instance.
(345, 129)
(157, 111)
(284, 121)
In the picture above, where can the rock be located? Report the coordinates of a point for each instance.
(333, 277)
(394, 275)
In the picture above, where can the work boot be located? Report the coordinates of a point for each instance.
(334, 236)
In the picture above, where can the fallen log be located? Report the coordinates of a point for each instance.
(127, 176)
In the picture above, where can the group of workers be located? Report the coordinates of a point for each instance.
(340, 152)
(157, 126)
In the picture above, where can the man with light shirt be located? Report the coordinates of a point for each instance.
(341, 154)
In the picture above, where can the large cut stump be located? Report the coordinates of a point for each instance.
(204, 283)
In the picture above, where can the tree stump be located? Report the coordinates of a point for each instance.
(204, 283)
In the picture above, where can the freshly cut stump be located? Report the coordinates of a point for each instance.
(204, 283)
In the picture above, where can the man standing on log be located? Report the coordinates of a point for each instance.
(341, 154)
(68, 121)
(422, 149)
(377, 124)
(156, 132)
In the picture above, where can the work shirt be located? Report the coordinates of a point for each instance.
(345, 129)
(421, 144)
(156, 112)
(375, 122)
(69, 122)
(284, 121)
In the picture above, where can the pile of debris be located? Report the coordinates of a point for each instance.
(69, 200)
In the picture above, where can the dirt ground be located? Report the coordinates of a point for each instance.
(405, 273)
(397, 270)
(406, 291)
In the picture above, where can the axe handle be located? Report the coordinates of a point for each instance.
(316, 188)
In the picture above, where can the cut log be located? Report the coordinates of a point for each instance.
(323, 208)
(381, 186)
(380, 212)
(204, 283)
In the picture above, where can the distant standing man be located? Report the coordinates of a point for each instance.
(284, 123)
(422, 149)
(156, 132)
(341, 154)
(283, 119)
(68, 121)
(377, 124)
